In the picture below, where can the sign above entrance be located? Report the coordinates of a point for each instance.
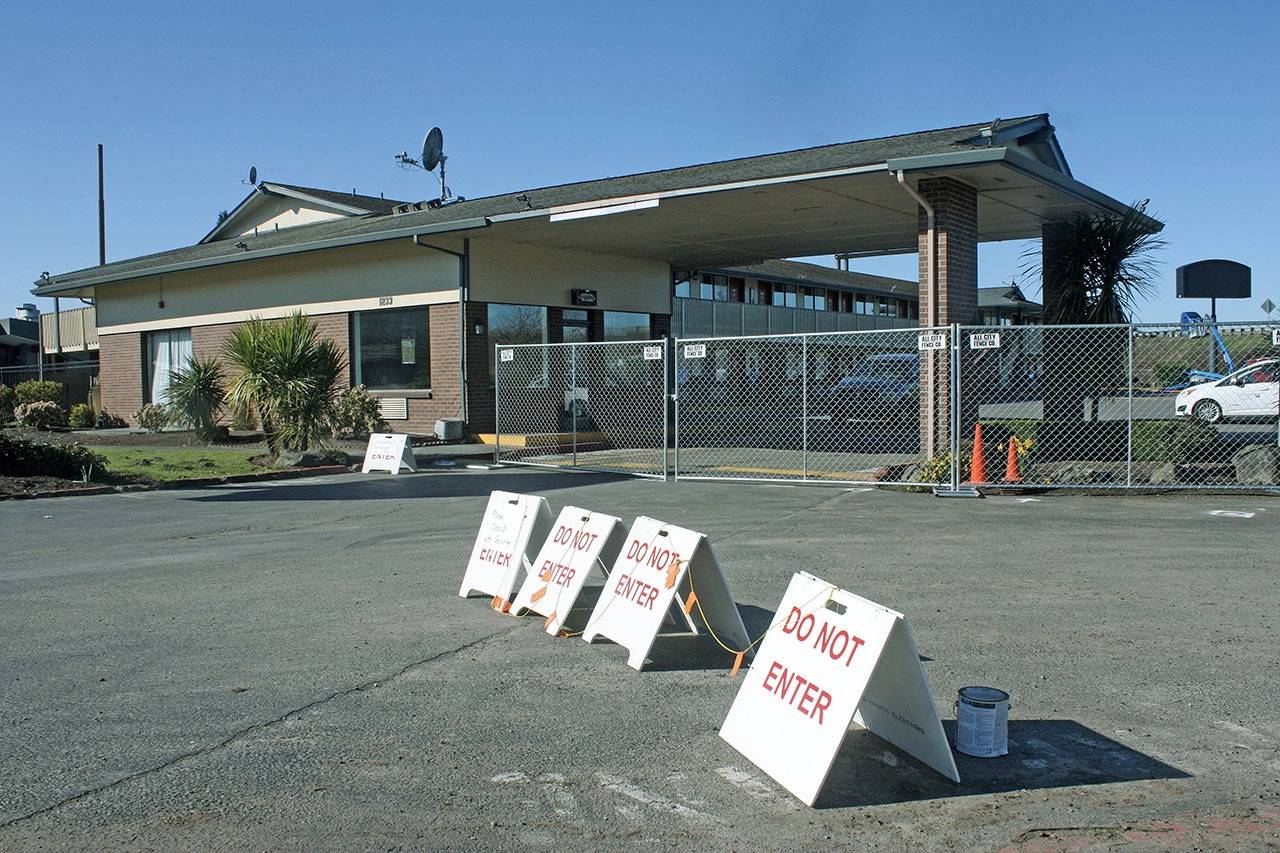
(513, 526)
(830, 660)
(388, 452)
(584, 297)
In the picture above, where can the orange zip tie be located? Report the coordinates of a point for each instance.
(501, 605)
(547, 623)
(689, 602)
(537, 596)
(672, 572)
(737, 664)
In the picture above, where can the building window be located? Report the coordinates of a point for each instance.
(515, 324)
(682, 289)
(390, 350)
(575, 327)
(866, 304)
(167, 351)
(626, 326)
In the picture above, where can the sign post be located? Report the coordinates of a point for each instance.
(388, 452)
(512, 525)
(658, 563)
(830, 661)
(580, 541)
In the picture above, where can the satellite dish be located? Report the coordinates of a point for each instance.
(253, 175)
(432, 149)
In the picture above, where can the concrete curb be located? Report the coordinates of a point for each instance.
(265, 476)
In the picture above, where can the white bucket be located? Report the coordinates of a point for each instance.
(982, 722)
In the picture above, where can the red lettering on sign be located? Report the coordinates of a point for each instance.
(832, 640)
(637, 591)
(797, 691)
(498, 558)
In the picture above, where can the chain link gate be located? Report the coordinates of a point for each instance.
(1177, 405)
(837, 407)
(584, 406)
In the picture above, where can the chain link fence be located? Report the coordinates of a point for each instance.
(847, 407)
(79, 379)
(1182, 405)
(587, 406)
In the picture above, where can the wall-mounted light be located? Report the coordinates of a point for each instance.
(479, 328)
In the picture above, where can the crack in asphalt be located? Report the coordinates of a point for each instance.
(252, 729)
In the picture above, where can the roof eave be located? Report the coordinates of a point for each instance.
(55, 288)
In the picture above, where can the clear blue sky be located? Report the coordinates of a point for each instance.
(1173, 101)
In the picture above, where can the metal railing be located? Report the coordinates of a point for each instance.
(586, 406)
(76, 330)
(702, 317)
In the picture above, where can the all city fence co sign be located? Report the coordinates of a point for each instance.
(388, 452)
(580, 541)
(658, 563)
(512, 525)
(830, 661)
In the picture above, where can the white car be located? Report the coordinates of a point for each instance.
(1251, 392)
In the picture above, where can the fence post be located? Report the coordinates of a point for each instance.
(804, 407)
(1128, 450)
(497, 411)
(573, 398)
(675, 400)
(666, 434)
(955, 389)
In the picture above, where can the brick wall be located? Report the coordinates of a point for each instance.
(120, 374)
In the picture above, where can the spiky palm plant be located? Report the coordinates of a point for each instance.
(196, 396)
(286, 373)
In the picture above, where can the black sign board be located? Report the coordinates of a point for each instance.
(584, 297)
(1214, 279)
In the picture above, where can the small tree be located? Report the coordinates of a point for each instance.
(196, 396)
(289, 375)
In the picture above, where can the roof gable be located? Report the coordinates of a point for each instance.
(272, 206)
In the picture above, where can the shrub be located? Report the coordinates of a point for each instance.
(37, 390)
(82, 416)
(41, 414)
(20, 458)
(196, 395)
(8, 399)
(244, 421)
(106, 420)
(289, 375)
(1166, 374)
(1180, 441)
(358, 414)
(152, 417)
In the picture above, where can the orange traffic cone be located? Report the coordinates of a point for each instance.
(1011, 474)
(978, 469)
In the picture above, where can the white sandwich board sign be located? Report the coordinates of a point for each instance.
(832, 660)
(388, 452)
(580, 541)
(513, 527)
(658, 563)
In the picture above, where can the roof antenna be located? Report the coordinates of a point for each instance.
(990, 132)
(253, 177)
(432, 156)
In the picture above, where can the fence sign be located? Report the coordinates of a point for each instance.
(1275, 337)
(659, 562)
(985, 340)
(653, 353)
(695, 350)
(832, 659)
(388, 452)
(505, 355)
(931, 340)
(580, 541)
(513, 526)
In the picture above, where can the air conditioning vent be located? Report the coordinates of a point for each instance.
(394, 408)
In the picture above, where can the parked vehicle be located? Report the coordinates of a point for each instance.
(879, 387)
(1253, 391)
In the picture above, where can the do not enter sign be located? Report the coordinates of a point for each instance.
(832, 659)
(580, 541)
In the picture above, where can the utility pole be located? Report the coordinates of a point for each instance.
(102, 214)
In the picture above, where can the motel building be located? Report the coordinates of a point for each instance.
(417, 295)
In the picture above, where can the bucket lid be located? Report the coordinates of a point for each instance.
(983, 694)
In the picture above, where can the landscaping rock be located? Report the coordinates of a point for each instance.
(1258, 464)
(1165, 472)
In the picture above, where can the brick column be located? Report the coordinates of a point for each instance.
(1052, 272)
(955, 207)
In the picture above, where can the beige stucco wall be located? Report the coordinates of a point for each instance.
(283, 212)
(535, 275)
(353, 278)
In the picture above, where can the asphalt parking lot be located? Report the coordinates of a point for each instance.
(288, 666)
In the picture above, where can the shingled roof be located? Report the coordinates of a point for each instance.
(801, 272)
(802, 161)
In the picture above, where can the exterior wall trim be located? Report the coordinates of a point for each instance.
(407, 300)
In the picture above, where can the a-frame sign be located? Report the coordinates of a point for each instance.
(513, 526)
(580, 541)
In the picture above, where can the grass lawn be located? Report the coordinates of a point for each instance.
(177, 463)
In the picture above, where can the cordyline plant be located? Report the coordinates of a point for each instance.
(288, 375)
(196, 396)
